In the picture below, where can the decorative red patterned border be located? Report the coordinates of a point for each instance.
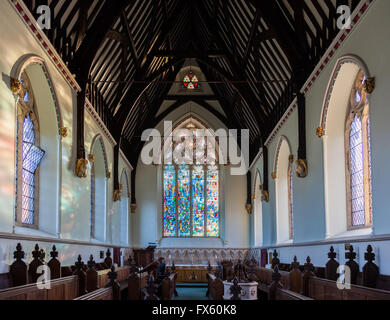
(45, 43)
(29, 20)
(341, 37)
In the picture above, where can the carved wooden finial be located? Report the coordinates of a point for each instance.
(235, 290)
(308, 266)
(54, 253)
(370, 269)
(19, 253)
(332, 266)
(276, 276)
(108, 253)
(91, 263)
(275, 261)
(36, 253)
(173, 266)
(351, 263)
(79, 263)
(295, 264)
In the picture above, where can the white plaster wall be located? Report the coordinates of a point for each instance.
(369, 40)
(73, 207)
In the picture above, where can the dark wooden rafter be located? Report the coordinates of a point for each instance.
(124, 52)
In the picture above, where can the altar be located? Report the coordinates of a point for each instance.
(248, 292)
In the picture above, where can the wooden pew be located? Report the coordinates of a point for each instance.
(60, 289)
(100, 294)
(136, 285)
(323, 289)
(215, 287)
(168, 286)
(111, 290)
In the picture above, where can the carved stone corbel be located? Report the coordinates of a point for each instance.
(249, 208)
(319, 132)
(264, 196)
(369, 85)
(15, 85)
(133, 207)
(64, 132)
(117, 195)
(302, 170)
(91, 158)
(81, 168)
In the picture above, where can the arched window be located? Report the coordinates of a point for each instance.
(191, 189)
(191, 81)
(258, 216)
(124, 213)
(29, 157)
(358, 158)
(283, 175)
(290, 199)
(98, 190)
(345, 133)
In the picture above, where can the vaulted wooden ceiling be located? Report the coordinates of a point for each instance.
(255, 53)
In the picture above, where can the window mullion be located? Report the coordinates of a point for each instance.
(205, 200)
(191, 202)
(177, 200)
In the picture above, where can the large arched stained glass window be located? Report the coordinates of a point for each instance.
(359, 157)
(184, 210)
(191, 196)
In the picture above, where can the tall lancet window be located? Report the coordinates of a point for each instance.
(191, 189)
(29, 157)
(358, 168)
(290, 200)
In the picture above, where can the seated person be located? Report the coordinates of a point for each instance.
(161, 269)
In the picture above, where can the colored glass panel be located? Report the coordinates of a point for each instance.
(184, 201)
(198, 201)
(169, 201)
(212, 202)
(357, 173)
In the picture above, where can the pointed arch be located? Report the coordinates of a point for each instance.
(37, 100)
(28, 60)
(346, 65)
(99, 175)
(282, 139)
(258, 211)
(336, 128)
(99, 138)
(283, 190)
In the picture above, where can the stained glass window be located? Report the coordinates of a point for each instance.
(290, 201)
(184, 198)
(357, 173)
(31, 158)
(198, 203)
(192, 210)
(212, 202)
(359, 157)
(169, 201)
(191, 81)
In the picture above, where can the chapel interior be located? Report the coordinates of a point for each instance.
(194, 150)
